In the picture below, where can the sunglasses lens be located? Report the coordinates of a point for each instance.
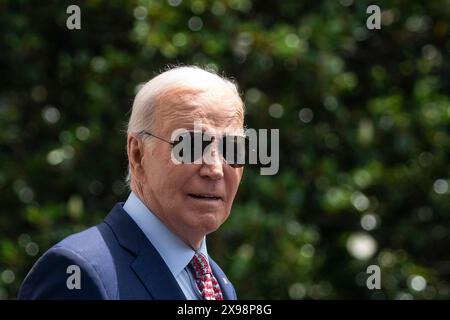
(186, 144)
(233, 150)
(178, 148)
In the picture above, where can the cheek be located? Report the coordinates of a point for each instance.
(153, 173)
(156, 167)
(233, 181)
(178, 176)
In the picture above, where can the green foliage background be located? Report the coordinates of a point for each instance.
(364, 132)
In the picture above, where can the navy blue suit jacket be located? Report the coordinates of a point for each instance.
(116, 261)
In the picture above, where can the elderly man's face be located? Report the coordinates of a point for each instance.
(172, 190)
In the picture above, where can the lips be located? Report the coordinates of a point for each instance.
(205, 196)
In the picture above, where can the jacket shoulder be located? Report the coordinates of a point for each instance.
(75, 268)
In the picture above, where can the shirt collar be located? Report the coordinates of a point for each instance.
(175, 253)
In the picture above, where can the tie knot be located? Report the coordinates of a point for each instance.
(200, 265)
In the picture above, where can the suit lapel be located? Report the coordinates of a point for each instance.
(156, 276)
(149, 266)
(224, 283)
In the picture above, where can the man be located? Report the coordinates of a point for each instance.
(153, 246)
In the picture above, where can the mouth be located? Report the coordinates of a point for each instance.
(205, 196)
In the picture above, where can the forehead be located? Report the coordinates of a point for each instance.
(217, 111)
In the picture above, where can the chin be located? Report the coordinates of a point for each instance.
(210, 221)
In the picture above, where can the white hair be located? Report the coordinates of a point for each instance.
(193, 77)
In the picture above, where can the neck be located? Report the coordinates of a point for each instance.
(195, 245)
(193, 241)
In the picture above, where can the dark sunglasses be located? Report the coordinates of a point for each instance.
(233, 148)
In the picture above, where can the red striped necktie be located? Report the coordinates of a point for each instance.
(206, 282)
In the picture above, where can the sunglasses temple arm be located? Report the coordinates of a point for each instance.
(150, 134)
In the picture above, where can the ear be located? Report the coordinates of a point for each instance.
(135, 151)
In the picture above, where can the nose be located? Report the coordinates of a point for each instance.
(213, 168)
